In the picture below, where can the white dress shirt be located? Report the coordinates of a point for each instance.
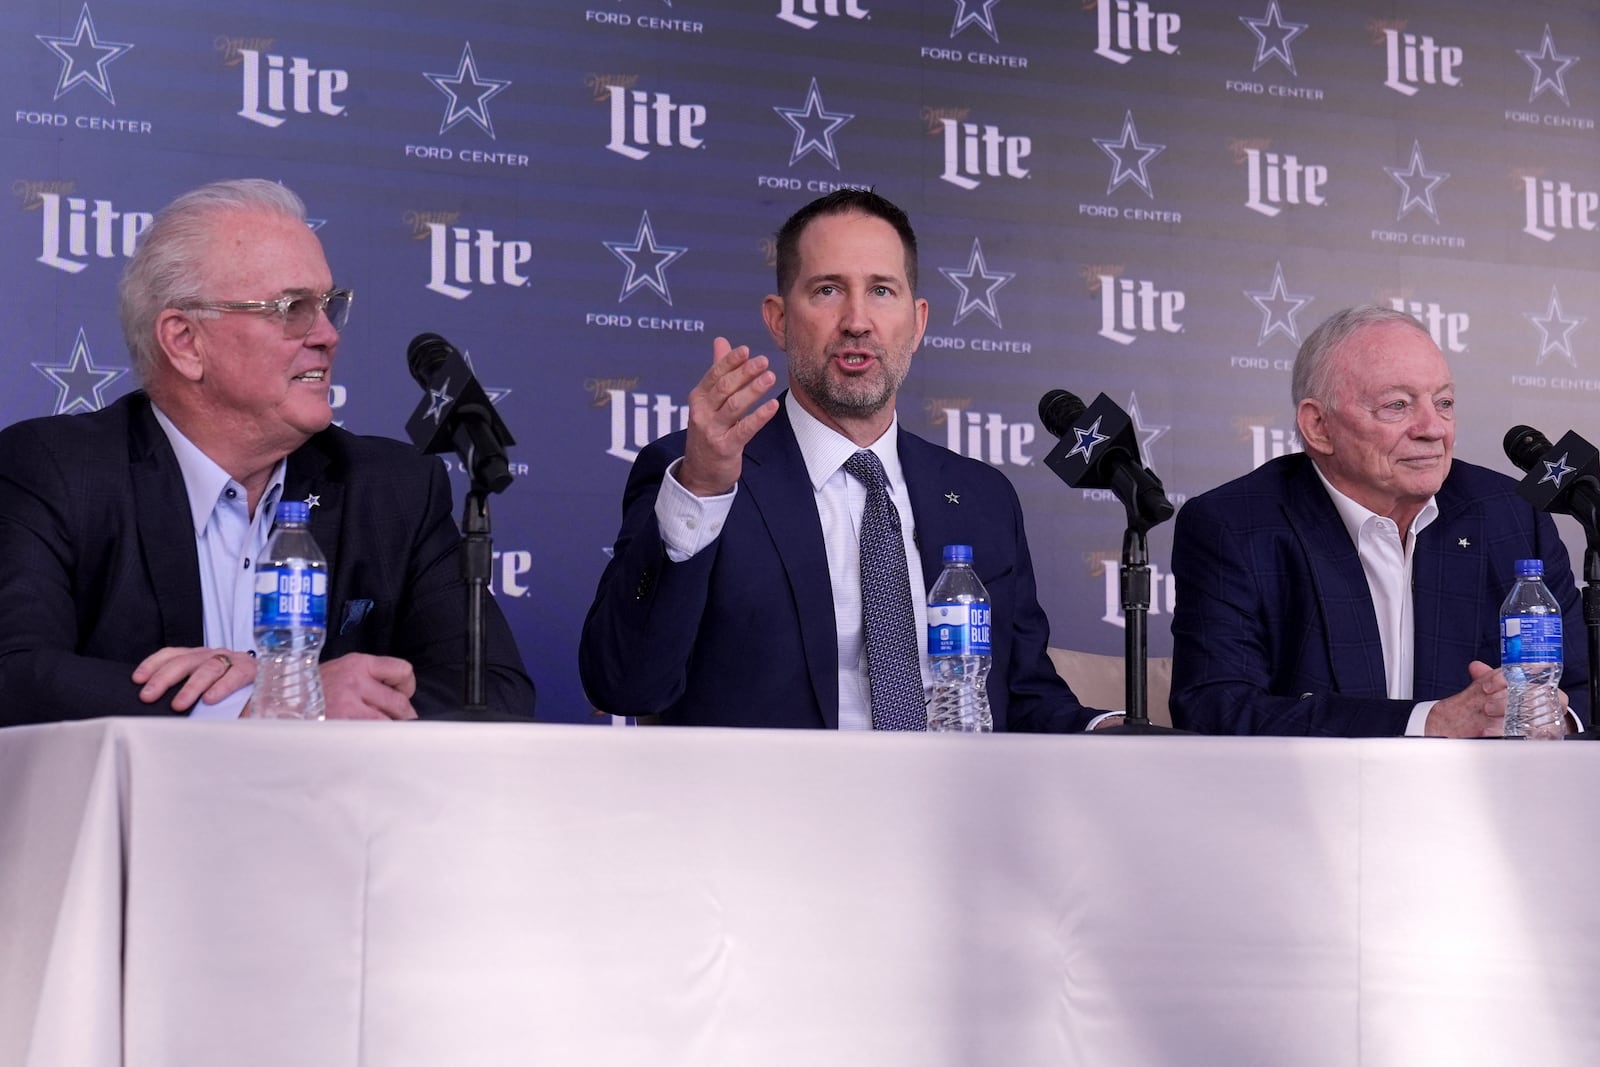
(228, 542)
(689, 523)
(1387, 564)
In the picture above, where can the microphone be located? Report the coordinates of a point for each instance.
(1099, 450)
(455, 414)
(1561, 477)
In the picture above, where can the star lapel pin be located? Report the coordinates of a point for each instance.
(952, 498)
(1464, 543)
(313, 501)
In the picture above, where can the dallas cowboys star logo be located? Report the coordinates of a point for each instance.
(468, 92)
(1130, 157)
(1089, 438)
(1555, 330)
(978, 13)
(1278, 308)
(1418, 183)
(84, 57)
(971, 299)
(1554, 472)
(655, 258)
(1148, 433)
(494, 395)
(1273, 36)
(313, 500)
(1548, 68)
(438, 400)
(81, 385)
(813, 116)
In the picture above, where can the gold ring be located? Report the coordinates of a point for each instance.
(227, 663)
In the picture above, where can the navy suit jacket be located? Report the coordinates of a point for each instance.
(742, 633)
(99, 568)
(1274, 630)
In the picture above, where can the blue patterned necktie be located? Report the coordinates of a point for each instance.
(894, 667)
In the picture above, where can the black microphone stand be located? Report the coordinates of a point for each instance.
(1136, 609)
(1589, 519)
(477, 562)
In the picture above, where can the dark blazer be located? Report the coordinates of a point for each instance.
(1274, 630)
(99, 568)
(742, 633)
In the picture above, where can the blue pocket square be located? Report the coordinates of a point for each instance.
(354, 612)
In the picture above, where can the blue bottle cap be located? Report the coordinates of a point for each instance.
(294, 511)
(958, 553)
(1530, 568)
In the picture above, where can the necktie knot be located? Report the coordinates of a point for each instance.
(866, 468)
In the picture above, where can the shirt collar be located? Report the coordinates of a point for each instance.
(1357, 516)
(826, 449)
(203, 480)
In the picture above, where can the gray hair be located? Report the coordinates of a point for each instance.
(1313, 364)
(164, 270)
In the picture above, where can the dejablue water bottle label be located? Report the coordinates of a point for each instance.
(1530, 639)
(958, 630)
(291, 596)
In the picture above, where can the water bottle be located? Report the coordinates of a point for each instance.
(958, 646)
(1530, 655)
(291, 616)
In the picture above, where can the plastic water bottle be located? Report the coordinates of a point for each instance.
(1530, 655)
(291, 615)
(958, 646)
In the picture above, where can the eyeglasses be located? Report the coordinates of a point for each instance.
(298, 311)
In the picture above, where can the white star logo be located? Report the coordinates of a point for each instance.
(826, 123)
(1278, 308)
(979, 13)
(1273, 36)
(1130, 157)
(1554, 472)
(494, 395)
(1464, 543)
(438, 400)
(1089, 438)
(1555, 330)
(652, 273)
(1548, 68)
(91, 68)
(81, 385)
(1410, 179)
(971, 299)
(952, 497)
(469, 93)
(313, 501)
(1148, 433)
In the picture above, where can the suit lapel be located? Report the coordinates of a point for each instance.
(166, 529)
(1448, 578)
(775, 478)
(1350, 624)
(309, 478)
(922, 467)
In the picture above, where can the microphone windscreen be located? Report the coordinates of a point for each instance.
(1058, 409)
(426, 353)
(1524, 445)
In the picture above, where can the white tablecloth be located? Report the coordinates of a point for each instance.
(185, 894)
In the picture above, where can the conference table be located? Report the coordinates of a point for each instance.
(192, 894)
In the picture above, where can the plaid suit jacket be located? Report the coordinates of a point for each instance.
(1274, 630)
(98, 564)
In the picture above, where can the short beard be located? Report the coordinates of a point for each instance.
(861, 399)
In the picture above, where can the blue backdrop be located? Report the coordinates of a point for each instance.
(1152, 198)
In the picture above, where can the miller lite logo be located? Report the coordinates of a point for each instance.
(987, 436)
(805, 13)
(1272, 180)
(973, 152)
(1125, 27)
(642, 120)
(1129, 307)
(460, 258)
(276, 85)
(639, 418)
(1447, 328)
(77, 230)
(1549, 206)
(1413, 60)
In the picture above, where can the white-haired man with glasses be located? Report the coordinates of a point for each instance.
(129, 535)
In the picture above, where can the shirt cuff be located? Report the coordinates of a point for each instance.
(1417, 725)
(1102, 717)
(689, 523)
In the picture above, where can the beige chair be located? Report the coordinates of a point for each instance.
(1098, 681)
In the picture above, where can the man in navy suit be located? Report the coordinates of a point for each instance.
(1354, 590)
(734, 595)
(128, 535)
